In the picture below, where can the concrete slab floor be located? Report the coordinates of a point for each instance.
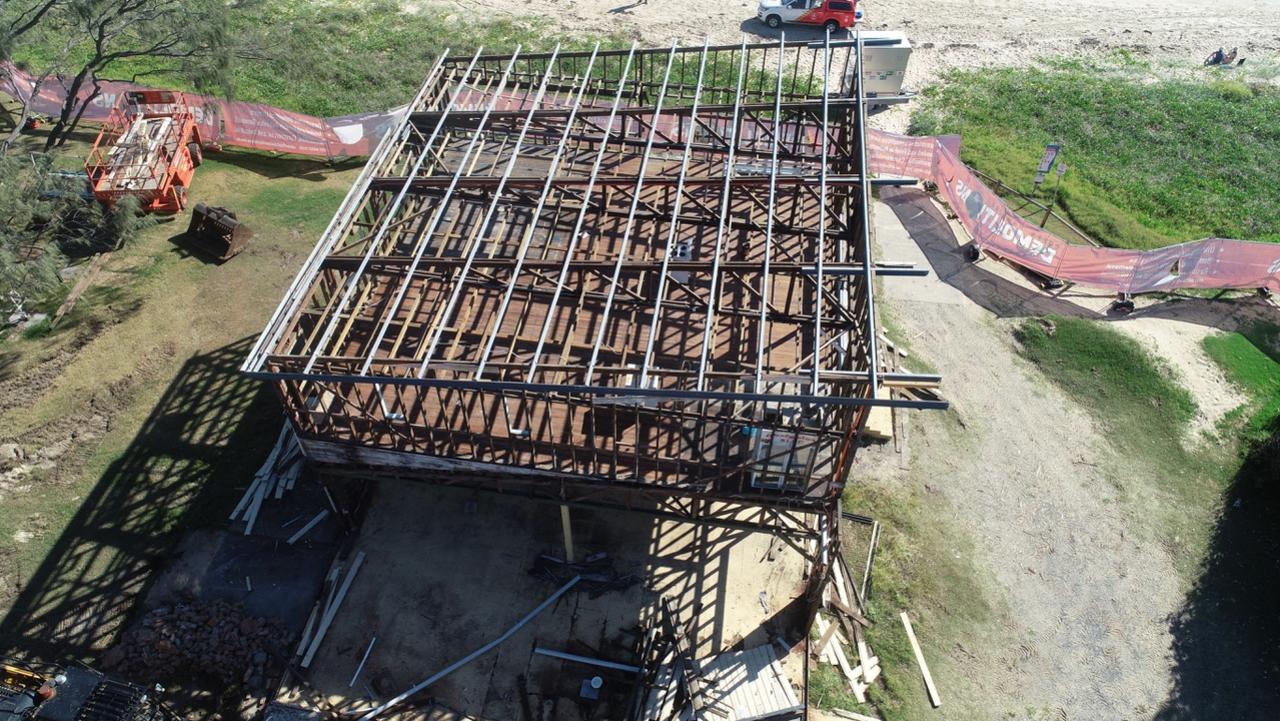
(212, 565)
(447, 570)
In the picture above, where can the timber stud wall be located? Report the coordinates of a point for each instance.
(643, 267)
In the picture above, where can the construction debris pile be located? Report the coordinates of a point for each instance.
(279, 473)
(840, 624)
(841, 629)
(596, 571)
(326, 608)
(218, 638)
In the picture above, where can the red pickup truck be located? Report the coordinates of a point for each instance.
(831, 14)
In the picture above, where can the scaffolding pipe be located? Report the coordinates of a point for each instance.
(585, 660)
(476, 653)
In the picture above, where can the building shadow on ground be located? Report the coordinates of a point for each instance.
(271, 165)
(1226, 637)
(205, 436)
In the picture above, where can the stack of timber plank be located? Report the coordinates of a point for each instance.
(879, 425)
(749, 685)
(326, 609)
(278, 474)
(841, 640)
(137, 158)
(838, 651)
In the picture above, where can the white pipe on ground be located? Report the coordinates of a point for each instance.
(474, 654)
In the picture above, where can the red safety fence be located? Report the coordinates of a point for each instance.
(1208, 263)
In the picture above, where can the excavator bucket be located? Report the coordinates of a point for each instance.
(215, 232)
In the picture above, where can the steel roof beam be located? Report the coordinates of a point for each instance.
(518, 200)
(477, 240)
(601, 391)
(712, 296)
(424, 118)
(766, 284)
(335, 231)
(655, 320)
(394, 262)
(527, 241)
(921, 381)
(486, 182)
(576, 233)
(769, 45)
(630, 225)
(864, 199)
(819, 258)
(777, 315)
(353, 282)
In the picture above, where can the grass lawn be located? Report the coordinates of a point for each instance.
(1145, 415)
(339, 57)
(925, 563)
(1151, 161)
(335, 57)
(1251, 360)
(143, 374)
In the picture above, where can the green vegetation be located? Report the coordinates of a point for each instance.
(1144, 413)
(1140, 406)
(284, 205)
(154, 317)
(828, 688)
(43, 220)
(1152, 161)
(335, 57)
(92, 39)
(37, 330)
(331, 57)
(1249, 360)
(924, 563)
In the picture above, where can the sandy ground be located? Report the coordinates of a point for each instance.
(947, 34)
(1087, 602)
(1179, 345)
(1088, 594)
(442, 582)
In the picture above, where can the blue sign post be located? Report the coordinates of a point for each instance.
(1046, 162)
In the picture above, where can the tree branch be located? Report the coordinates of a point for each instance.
(21, 26)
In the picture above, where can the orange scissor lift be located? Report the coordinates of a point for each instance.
(149, 149)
